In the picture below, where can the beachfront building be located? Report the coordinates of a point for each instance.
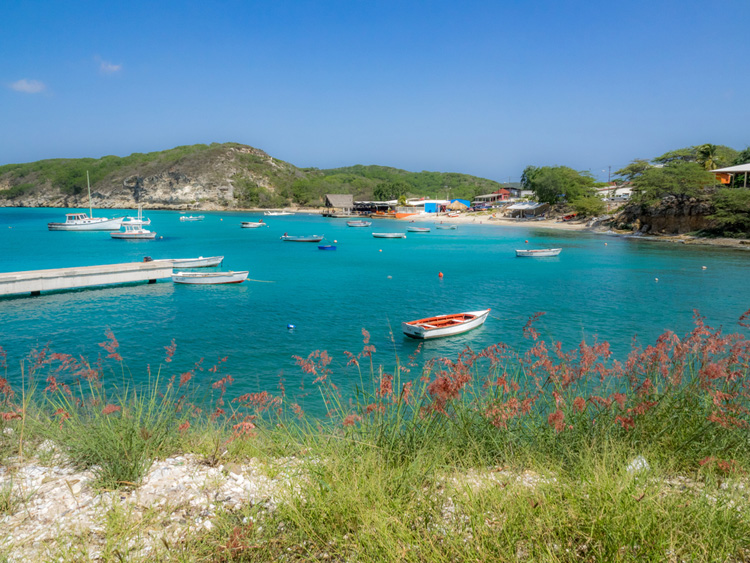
(727, 175)
(526, 209)
(339, 204)
(494, 199)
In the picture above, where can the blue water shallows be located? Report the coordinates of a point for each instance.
(592, 290)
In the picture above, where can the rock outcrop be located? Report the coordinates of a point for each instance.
(674, 214)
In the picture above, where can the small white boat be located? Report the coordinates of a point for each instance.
(133, 231)
(192, 218)
(389, 235)
(253, 224)
(539, 253)
(359, 223)
(302, 238)
(446, 227)
(83, 222)
(444, 325)
(418, 229)
(138, 220)
(277, 213)
(199, 262)
(209, 278)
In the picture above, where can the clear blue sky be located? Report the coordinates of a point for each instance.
(483, 88)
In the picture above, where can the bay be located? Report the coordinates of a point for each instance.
(600, 287)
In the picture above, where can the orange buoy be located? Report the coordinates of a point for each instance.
(656, 279)
(381, 250)
(335, 240)
(527, 242)
(440, 275)
(605, 244)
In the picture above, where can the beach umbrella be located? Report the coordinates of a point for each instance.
(458, 206)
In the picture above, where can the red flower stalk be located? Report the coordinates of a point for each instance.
(109, 409)
(111, 345)
(170, 351)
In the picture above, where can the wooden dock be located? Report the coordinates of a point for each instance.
(35, 281)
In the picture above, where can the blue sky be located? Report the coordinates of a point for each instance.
(483, 88)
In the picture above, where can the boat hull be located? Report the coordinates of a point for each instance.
(252, 225)
(358, 223)
(147, 235)
(389, 235)
(88, 225)
(418, 229)
(444, 325)
(313, 238)
(541, 253)
(192, 218)
(326, 247)
(210, 278)
(200, 262)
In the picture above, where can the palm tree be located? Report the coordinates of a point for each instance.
(707, 156)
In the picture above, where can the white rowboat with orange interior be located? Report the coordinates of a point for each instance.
(444, 325)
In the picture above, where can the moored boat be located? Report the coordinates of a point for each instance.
(138, 220)
(253, 224)
(301, 238)
(199, 262)
(192, 218)
(444, 325)
(326, 247)
(418, 229)
(389, 235)
(538, 253)
(133, 231)
(83, 222)
(277, 213)
(446, 227)
(209, 278)
(359, 223)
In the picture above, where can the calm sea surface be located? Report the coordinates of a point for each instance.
(599, 287)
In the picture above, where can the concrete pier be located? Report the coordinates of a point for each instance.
(36, 281)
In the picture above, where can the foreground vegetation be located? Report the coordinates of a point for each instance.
(541, 456)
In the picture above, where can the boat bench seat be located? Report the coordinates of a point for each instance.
(428, 326)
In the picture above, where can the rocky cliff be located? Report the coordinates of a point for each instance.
(212, 177)
(674, 214)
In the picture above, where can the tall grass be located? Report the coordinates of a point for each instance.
(495, 454)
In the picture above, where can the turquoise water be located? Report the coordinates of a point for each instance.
(592, 290)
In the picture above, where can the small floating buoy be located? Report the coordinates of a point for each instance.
(335, 240)
(161, 237)
(390, 277)
(440, 275)
(221, 219)
(290, 327)
(703, 267)
(527, 242)
(605, 244)
(381, 250)
(656, 279)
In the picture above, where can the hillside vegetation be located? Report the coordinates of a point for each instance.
(216, 176)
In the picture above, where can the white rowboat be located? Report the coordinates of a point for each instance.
(389, 235)
(540, 253)
(302, 238)
(446, 227)
(199, 262)
(192, 218)
(209, 278)
(359, 223)
(277, 213)
(444, 325)
(253, 224)
(418, 229)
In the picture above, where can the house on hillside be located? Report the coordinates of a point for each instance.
(726, 175)
(339, 204)
(489, 200)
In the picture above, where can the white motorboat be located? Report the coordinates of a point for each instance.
(192, 218)
(83, 222)
(199, 262)
(253, 224)
(389, 235)
(359, 223)
(133, 231)
(209, 278)
(301, 238)
(139, 220)
(444, 325)
(446, 227)
(418, 229)
(539, 253)
(277, 213)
